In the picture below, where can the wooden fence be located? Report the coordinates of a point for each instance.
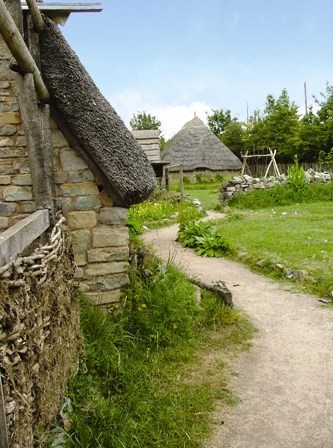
(258, 170)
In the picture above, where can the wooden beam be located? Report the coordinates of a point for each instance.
(36, 119)
(17, 46)
(36, 15)
(18, 237)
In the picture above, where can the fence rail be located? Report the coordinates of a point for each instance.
(258, 169)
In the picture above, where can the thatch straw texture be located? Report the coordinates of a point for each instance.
(196, 147)
(107, 145)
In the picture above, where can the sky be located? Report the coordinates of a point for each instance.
(174, 58)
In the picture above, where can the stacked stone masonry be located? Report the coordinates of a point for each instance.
(99, 233)
(247, 184)
(16, 195)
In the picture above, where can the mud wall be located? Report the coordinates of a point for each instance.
(40, 340)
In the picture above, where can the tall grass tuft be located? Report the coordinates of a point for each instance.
(137, 385)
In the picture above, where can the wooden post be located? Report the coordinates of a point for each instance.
(181, 180)
(245, 165)
(36, 15)
(17, 46)
(36, 119)
(3, 424)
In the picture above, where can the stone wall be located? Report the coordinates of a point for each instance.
(16, 195)
(247, 184)
(99, 233)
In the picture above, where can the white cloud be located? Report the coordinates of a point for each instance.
(172, 117)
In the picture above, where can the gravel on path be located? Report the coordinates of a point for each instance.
(285, 382)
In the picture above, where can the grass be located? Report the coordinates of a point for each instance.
(299, 237)
(152, 374)
(280, 195)
(208, 197)
(161, 210)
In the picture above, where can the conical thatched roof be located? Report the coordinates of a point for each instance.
(196, 147)
(91, 124)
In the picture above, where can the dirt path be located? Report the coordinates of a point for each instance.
(285, 381)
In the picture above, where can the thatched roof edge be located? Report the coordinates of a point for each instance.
(101, 134)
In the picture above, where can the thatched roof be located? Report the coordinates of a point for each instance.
(196, 147)
(91, 124)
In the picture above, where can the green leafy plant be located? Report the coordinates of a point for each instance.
(205, 238)
(296, 176)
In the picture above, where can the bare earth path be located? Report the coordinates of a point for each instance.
(285, 381)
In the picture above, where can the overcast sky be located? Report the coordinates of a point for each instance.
(172, 58)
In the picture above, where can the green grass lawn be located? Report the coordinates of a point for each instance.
(298, 236)
(207, 197)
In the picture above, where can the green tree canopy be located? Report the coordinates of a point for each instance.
(232, 137)
(143, 121)
(219, 120)
(276, 128)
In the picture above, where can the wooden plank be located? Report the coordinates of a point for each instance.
(18, 237)
(19, 50)
(3, 424)
(66, 7)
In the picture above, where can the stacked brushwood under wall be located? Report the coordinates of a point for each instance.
(40, 339)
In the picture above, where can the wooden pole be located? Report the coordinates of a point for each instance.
(3, 424)
(305, 99)
(181, 174)
(36, 15)
(17, 46)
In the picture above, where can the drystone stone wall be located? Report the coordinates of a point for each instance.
(99, 232)
(247, 184)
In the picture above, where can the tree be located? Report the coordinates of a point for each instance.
(219, 120)
(276, 128)
(143, 121)
(232, 137)
(325, 115)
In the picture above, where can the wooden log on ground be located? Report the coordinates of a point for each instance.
(219, 289)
